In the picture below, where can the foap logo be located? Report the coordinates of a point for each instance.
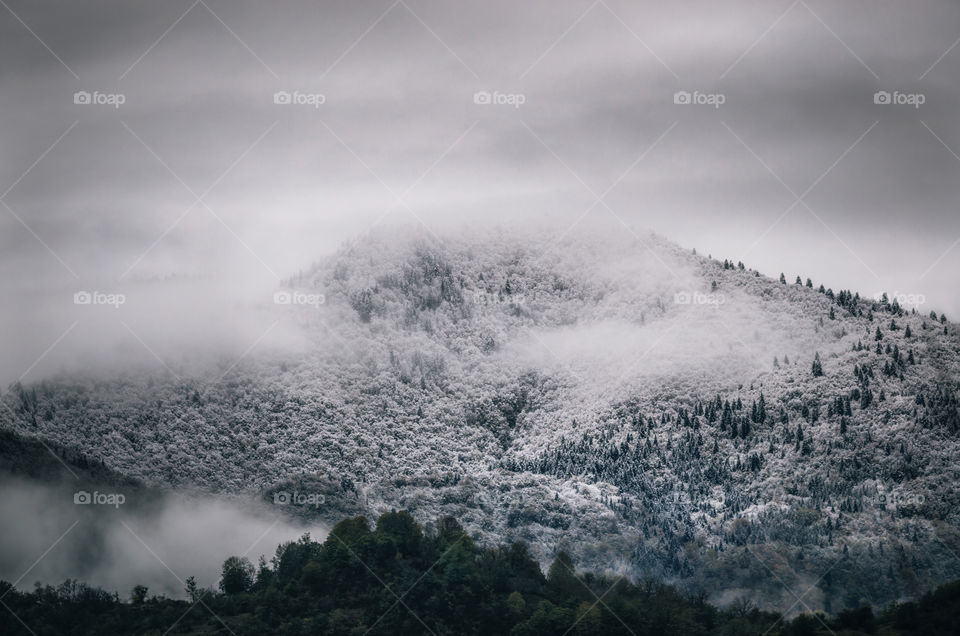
(896, 98)
(714, 500)
(487, 298)
(898, 500)
(696, 98)
(296, 98)
(284, 498)
(697, 298)
(496, 98)
(99, 298)
(908, 300)
(97, 498)
(293, 297)
(96, 98)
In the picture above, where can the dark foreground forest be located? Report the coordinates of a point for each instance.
(402, 578)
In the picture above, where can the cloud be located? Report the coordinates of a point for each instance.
(289, 183)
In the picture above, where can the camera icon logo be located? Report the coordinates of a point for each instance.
(682, 97)
(82, 298)
(281, 498)
(282, 298)
(881, 97)
(482, 97)
(82, 497)
(282, 97)
(82, 97)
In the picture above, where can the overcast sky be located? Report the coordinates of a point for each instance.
(789, 164)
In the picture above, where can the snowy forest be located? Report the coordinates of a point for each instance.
(651, 411)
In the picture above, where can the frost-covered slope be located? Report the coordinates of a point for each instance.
(650, 409)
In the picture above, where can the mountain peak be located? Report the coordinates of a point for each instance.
(613, 397)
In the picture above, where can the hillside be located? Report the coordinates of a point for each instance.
(49, 462)
(653, 411)
(449, 585)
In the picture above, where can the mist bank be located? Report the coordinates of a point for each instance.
(110, 540)
(206, 323)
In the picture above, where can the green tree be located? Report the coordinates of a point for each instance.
(138, 595)
(403, 530)
(237, 575)
(194, 593)
(516, 604)
(562, 578)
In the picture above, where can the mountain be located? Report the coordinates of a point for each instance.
(49, 462)
(650, 410)
(452, 586)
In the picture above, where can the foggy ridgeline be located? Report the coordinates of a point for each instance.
(402, 578)
(649, 411)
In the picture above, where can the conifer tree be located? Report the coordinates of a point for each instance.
(817, 367)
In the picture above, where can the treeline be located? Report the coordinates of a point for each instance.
(402, 578)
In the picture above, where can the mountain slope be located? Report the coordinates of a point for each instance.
(651, 410)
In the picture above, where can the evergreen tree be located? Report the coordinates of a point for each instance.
(562, 578)
(817, 367)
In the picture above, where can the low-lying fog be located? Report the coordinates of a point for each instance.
(49, 538)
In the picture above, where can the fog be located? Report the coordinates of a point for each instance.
(152, 231)
(157, 543)
(199, 176)
(168, 325)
